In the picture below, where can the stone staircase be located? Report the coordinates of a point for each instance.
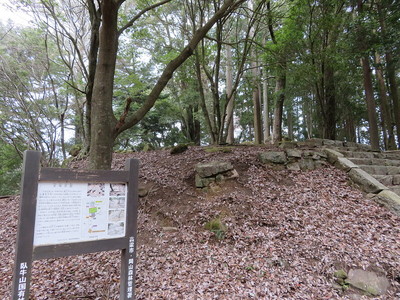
(377, 173)
(383, 166)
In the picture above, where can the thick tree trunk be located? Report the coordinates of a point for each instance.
(371, 107)
(191, 126)
(350, 129)
(391, 75)
(330, 104)
(394, 94)
(278, 110)
(368, 86)
(103, 120)
(95, 16)
(387, 122)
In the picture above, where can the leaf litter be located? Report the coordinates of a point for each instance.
(286, 232)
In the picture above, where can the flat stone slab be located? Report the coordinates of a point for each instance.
(359, 154)
(396, 180)
(389, 199)
(375, 170)
(213, 168)
(274, 157)
(332, 155)
(368, 282)
(293, 153)
(345, 164)
(381, 170)
(368, 183)
(384, 179)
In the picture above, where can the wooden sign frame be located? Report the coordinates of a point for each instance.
(27, 252)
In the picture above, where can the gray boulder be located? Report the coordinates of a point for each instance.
(273, 157)
(213, 168)
(211, 173)
(368, 282)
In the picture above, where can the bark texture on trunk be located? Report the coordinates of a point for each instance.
(266, 111)
(371, 107)
(330, 104)
(102, 117)
(229, 96)
(368, 86)
(386, 117)
(394, 94)
(278, 110)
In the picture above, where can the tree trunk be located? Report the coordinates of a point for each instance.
(394, 94)
(266, 111)
(203, 105)
(280, 99)
(350, 128)
(257, 116)
(257, 123)
(330, 104)
(289, 112)
(229, 96)
(95, 16)
(371, 107)
(307, 118)
(391, 75)
(102, 117)
(368, 87)
(387, 122)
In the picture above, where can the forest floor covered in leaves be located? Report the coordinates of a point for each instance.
(286, 234)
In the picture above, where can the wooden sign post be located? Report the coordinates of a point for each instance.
(70, 212)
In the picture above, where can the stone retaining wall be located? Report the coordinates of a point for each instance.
(294, 159)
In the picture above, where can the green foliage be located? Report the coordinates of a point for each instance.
(10, 169)
(159, 128)
(39, 85)
(217, 227)
(33, 94)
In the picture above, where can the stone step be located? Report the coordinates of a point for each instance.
(375, 161)
(352, 154)
(348, 149)
(380, 170)
(391, 154)
(394, 155)
(395, 189)
(388, 180)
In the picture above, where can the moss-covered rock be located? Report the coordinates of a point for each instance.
(179, 149)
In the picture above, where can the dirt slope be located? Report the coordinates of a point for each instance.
(286, 233)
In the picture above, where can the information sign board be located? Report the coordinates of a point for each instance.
(69, 212)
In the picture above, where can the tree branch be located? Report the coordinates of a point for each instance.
(141, 13)
(122, 118)
(225, 9)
